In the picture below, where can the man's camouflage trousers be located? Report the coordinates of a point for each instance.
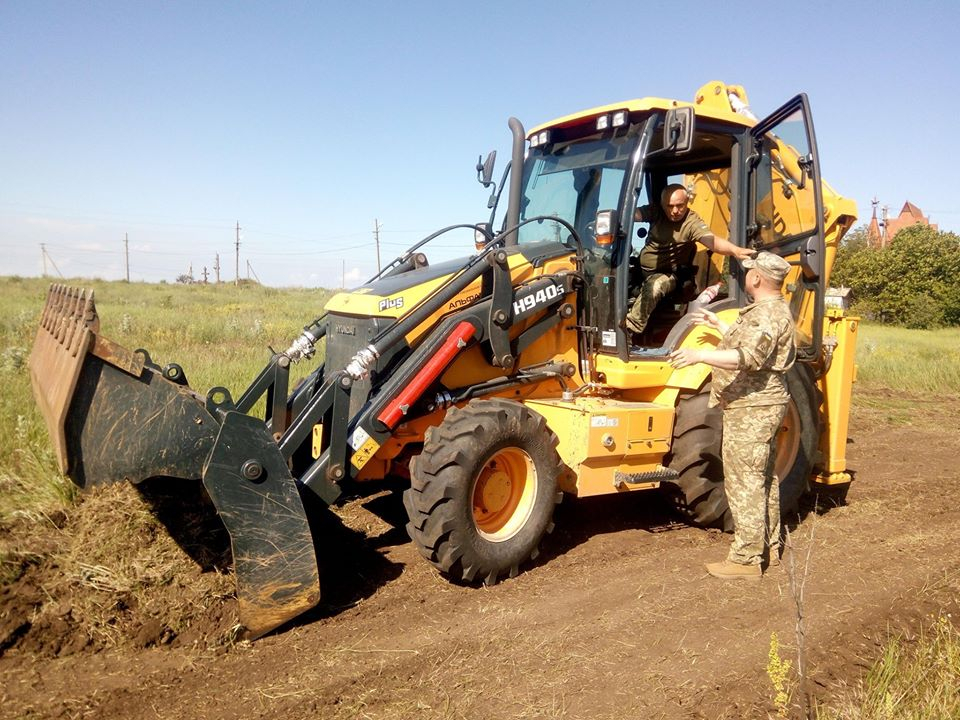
(654, 288)
(753, 490)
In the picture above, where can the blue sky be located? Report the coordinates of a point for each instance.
(306, 122)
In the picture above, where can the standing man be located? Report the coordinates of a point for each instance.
(671, 244)
(748, 384)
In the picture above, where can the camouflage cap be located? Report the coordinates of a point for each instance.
(769, 265)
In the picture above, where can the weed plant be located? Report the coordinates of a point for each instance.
(911, 680)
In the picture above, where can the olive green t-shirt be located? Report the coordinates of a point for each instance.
(672, 244)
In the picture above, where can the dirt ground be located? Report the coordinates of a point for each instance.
(616, 619)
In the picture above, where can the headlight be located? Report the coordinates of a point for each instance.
(541, 138)
(604, 230)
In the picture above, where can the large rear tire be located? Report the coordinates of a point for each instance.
(483, 490)
(696, 452)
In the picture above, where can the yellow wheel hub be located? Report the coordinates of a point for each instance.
(503, 494)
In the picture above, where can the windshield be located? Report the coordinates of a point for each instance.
(572, 181)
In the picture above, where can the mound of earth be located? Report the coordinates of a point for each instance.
(107, 573)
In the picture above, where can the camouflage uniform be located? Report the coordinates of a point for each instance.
(670, 245)
(754, 400)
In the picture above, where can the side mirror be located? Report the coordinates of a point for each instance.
(678, 130)
(485, 169)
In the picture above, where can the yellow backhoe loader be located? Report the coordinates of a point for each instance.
(499, 382)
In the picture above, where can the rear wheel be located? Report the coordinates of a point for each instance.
(798, 439)
(696, 452)
(483, 490)
(695, 455)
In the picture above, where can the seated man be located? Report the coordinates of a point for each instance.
(671, 244)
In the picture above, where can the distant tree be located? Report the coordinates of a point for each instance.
(913, 281)
(855, 241)
(184, 279)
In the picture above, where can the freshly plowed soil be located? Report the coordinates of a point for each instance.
(110, 618)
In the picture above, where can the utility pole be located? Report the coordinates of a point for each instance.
(46, 255)
(237, 281)
(251, 270)
(216, 267)
(205, 274)
(376, 237)
(126, 252)
(343, 274)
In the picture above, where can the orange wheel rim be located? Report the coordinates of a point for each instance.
(788, 442)
(503, 494)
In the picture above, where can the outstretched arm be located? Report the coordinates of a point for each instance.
(723, 246)
(723, 359)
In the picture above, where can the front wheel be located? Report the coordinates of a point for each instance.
(483, 490)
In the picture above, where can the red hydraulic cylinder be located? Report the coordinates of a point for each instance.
(398, 407)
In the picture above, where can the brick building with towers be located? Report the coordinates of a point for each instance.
(880, 232)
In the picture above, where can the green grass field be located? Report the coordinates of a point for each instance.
(924, 362)
(220, 335)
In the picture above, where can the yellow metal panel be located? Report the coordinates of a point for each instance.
(363, 303)
(600, 436)
(635, 374)
(638, 374)
(837, 388)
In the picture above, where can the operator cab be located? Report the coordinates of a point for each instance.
(589, 177)
(756, 185)
(693, 265)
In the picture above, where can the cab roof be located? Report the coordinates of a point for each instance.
(711, 101)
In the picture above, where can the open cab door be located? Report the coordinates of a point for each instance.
(783, 212)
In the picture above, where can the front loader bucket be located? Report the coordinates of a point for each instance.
(111, 413)
(257, 499)
(67, 328)
(114, 415)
